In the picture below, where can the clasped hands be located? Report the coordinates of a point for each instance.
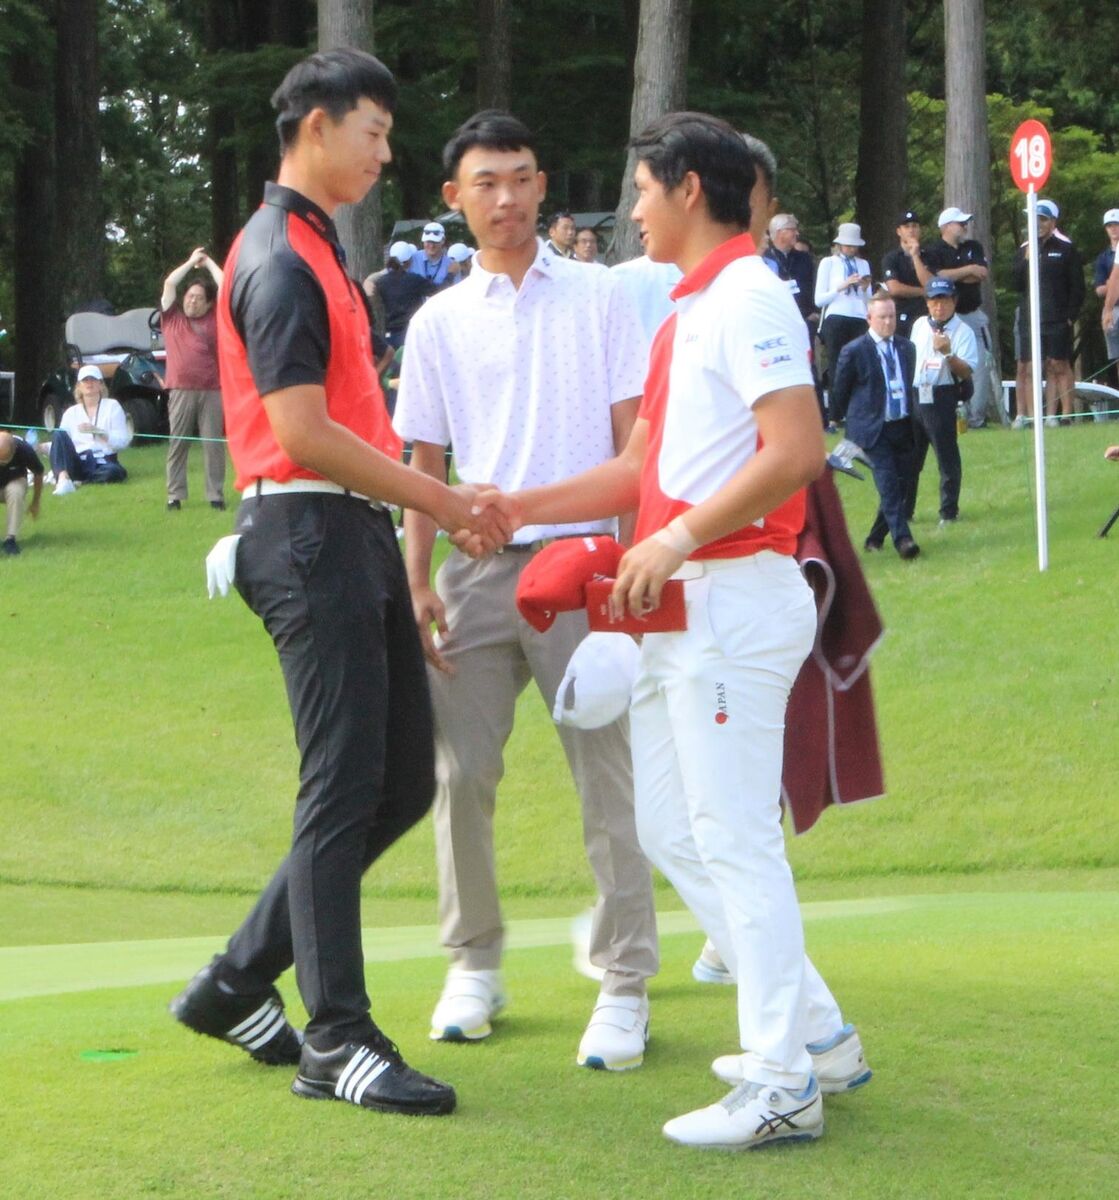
(642, 572)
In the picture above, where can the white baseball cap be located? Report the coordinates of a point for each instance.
(90, 371)
(434, 232)
(459, 252)
(598, 683)
(402, 252)
(1111, 217)
(1046, 208)
(953, 214)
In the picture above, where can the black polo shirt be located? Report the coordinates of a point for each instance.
(940, 256)
(898, 265)
(23, 459)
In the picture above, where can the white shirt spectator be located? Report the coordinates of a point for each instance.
(833, 270)
(648, 284)
(932, 369)
(109, 419)
(521, 381)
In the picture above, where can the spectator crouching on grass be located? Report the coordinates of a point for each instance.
(17, 460)
(85, 446)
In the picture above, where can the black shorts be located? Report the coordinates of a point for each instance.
(1056, 340)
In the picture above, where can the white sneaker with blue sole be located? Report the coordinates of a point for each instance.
(838, 1063)
(470, 1001)
(752, 1115)
(616, 1033)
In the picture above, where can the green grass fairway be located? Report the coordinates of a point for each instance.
(968, 922)
(987, 1022)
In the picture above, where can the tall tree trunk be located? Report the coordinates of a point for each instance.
(882, 178)
(350, 23)
(80, 229)
(967, 151)
(37, 315)
(221, 123)
(660, 85)
(495, 53)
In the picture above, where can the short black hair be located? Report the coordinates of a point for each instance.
(335, 80)
(556, 217)
(205, 282)
(492, 128)
(726, 161)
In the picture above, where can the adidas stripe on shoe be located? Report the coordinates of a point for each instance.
(255, 1023)
(371, 1075)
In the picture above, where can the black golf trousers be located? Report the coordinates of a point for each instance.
(325, 575)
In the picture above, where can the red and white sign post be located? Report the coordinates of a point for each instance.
(1031, 157)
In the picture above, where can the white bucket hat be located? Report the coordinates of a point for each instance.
(597, 685)
(849, 234)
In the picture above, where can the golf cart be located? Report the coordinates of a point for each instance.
(129, 350)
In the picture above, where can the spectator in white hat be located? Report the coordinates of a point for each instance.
(398, 291)
(1105, 261)
(842, 290)
(962, 261)
(461, 256)
(85, 444)
(433, 261)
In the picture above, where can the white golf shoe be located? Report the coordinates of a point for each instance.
(752, 1115)
(838, 1063)
(710, 968)
(616, 1034)
(470, 1001)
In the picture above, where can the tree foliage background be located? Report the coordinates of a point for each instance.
(186, 134)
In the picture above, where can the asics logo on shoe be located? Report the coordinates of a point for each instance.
(775, 1120)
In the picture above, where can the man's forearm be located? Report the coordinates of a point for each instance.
(419, 529)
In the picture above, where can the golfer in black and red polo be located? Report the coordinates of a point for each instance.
(318, 562)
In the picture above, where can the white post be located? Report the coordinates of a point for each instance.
(1038, 378)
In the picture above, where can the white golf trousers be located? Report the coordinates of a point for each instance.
(707, 727)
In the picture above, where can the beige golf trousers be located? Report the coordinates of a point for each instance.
(495, 654)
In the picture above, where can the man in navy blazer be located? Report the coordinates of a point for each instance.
(873, 391)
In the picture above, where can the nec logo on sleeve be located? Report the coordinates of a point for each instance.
(772, 343)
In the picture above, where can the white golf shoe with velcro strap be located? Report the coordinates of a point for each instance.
(616, 1033)
(753, 1115)
(838, 1063)
(470, 1001)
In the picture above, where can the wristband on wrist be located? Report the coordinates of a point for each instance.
(675, 536)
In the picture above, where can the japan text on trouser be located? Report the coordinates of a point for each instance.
(495, 654)
(707, 724)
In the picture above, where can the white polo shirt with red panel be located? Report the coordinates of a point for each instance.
(708, 712)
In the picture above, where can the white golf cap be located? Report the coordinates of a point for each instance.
(459, 252)
(598, 683)
(90, 371)
(953, 214)
(849, 234)
(1046, 208)
(402, 251)
(434, 232)
(1111, 217)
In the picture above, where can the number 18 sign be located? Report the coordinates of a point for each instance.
(1031, 156)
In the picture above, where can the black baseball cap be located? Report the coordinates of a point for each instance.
(908, 217)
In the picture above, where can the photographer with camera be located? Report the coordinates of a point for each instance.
(947, 355)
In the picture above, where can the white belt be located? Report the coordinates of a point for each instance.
(270, 487)
(694, 568)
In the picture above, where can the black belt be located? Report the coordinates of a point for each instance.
(540, 543)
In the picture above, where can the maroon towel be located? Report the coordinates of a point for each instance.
(831, 738)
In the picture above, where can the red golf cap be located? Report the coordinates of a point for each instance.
(556, 578)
